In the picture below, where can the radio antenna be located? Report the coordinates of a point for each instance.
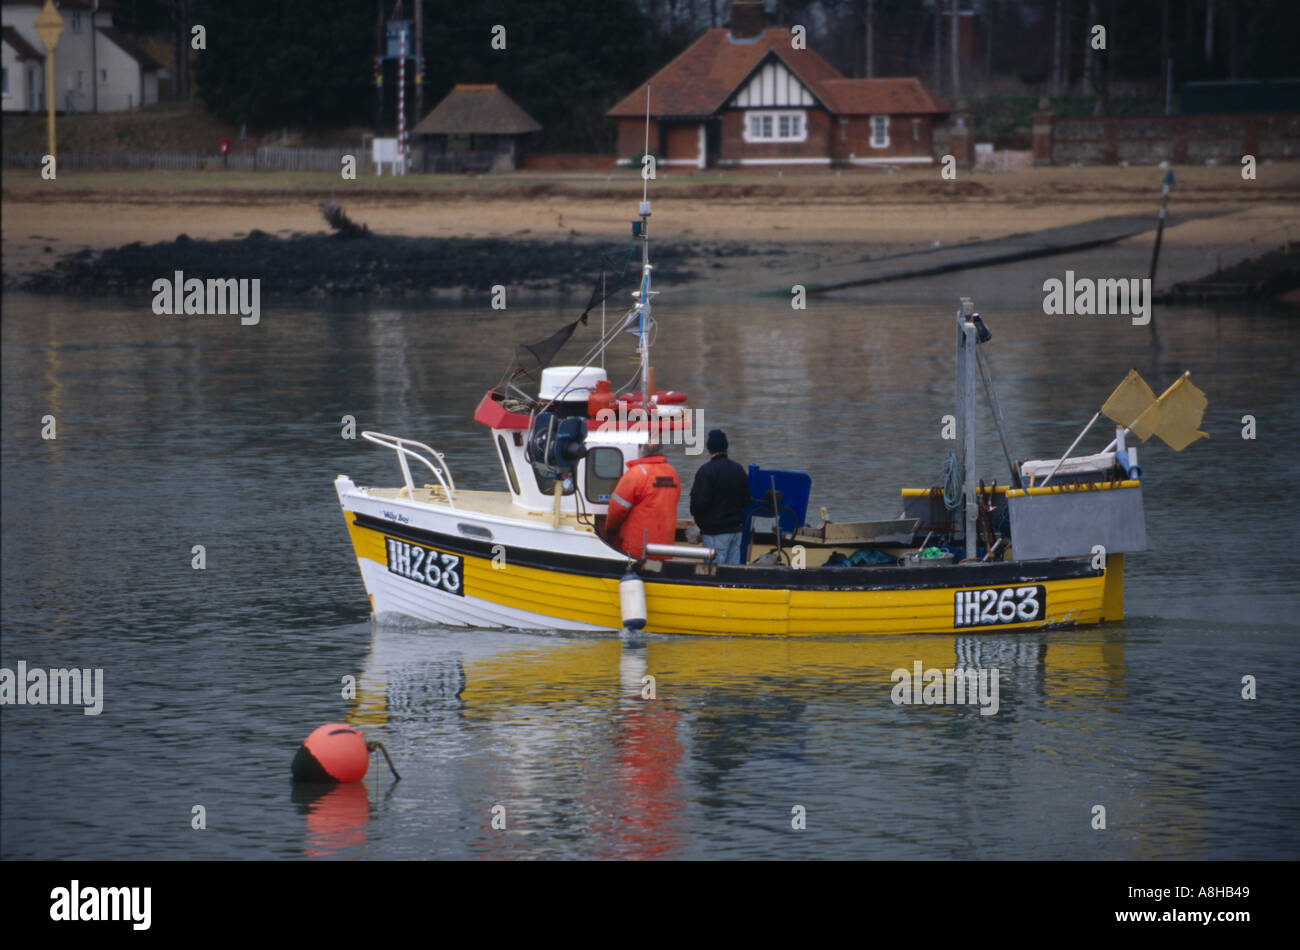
(643, 295)
(645, 180)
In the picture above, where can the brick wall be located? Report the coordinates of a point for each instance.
(631, 137)
(682, 142)
(852, 135)
(1180, 139)
(734, 146)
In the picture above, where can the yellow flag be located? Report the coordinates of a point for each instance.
(1131, 404)
(1182, 406)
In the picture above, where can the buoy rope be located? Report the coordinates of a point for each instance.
(951, 484)
(372, 746)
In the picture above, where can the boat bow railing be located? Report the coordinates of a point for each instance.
(407, 448)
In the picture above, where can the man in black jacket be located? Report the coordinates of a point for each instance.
(718, 499)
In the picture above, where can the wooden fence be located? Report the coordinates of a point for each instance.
(268, 157)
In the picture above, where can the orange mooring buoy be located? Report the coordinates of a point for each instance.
(333, 753)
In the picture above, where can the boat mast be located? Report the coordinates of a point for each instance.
(643, 295)
(966, 336)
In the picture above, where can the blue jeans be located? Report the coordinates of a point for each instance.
(727, 546)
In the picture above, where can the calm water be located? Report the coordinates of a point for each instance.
(177, 432)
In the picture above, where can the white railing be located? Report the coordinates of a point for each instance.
(400, 446)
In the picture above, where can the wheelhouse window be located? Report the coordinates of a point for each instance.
(880, 131)
(546, 483)
(604, 469)
(775, 126)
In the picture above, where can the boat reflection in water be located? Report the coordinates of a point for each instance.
(562, 732)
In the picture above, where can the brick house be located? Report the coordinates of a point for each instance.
(745, 96)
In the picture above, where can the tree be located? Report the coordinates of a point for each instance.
(182, 18)
(566, 62)
(955, 29)
(869, 40)
(1090, 55)
(938, 39)
(1209, 32)
(300, 62)
(1058, 47)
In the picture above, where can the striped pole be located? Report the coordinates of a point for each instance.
(401, 105)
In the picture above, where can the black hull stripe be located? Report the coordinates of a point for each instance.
(873, 578)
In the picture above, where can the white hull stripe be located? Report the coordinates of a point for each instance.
(393, 595)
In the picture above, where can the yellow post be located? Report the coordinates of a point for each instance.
(49, 102)
(49, 26)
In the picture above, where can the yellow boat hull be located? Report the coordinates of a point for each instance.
(494, 591)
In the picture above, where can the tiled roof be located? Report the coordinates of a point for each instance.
(476, 109)
(128, 46)
(700, 80)
(20, 46)
(901, 96)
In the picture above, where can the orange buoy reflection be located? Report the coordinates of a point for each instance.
(336, 817)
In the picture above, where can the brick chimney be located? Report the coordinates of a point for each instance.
(747, 19)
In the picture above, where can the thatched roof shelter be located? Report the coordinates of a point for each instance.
(477, 109)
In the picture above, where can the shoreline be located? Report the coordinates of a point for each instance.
(378, 265)
(436, 235)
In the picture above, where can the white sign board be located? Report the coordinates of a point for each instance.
(385, 150)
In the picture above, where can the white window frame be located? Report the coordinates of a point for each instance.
(871, 124)
(770, 119)
(916, 130)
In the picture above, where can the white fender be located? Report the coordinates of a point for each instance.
(631, 598)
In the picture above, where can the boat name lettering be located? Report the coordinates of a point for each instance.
(426, 566)
(397, 516)
(998, 605)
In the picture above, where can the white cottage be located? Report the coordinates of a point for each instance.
(97, 68)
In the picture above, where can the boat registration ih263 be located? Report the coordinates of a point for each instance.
(997, 605)
(437, 569)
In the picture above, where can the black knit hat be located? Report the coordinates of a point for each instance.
(717, 441)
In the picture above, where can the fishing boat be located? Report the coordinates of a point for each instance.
(1045, 549)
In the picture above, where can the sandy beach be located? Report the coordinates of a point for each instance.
(823, 219)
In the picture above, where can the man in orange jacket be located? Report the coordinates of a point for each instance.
(643, 506)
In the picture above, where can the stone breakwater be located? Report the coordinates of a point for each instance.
(370, 265)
